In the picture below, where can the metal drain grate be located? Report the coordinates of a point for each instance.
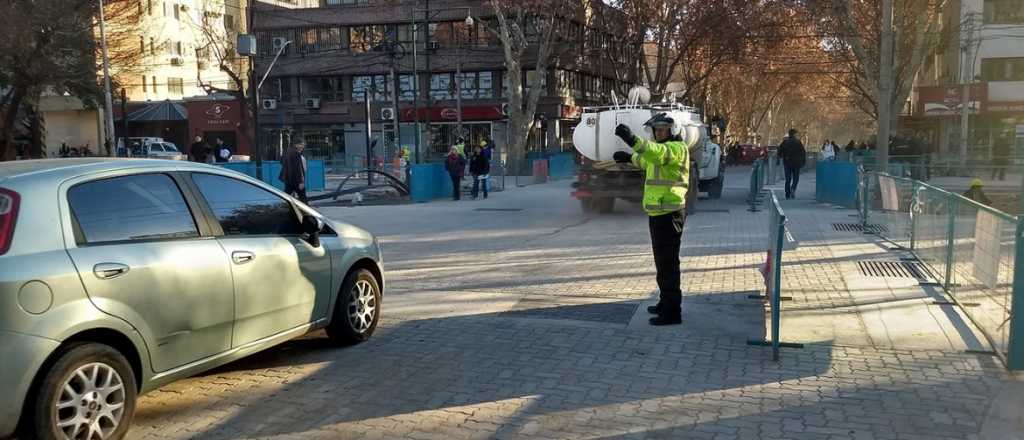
(893, 269)
(857, 227)
(499, 209)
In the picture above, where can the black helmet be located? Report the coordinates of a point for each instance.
(660, 119)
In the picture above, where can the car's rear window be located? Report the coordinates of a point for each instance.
(139, 207)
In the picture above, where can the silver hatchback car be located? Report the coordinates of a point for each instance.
(119, 276)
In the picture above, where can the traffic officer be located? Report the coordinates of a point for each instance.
(666, 164)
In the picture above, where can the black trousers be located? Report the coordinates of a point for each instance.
(295, 191)
(666, 237)
(456, 187)
(792, 179)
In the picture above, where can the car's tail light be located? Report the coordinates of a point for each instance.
(9, 201)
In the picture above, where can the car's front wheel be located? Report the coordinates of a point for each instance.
(357, 310)
(88, 393)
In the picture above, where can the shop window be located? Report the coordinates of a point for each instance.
(442, 87)
(1003, 12)
(1003, 69)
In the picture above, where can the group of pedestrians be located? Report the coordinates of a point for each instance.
(479, 163)
(202, 152)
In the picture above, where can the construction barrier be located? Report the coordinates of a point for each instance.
(969, 249)
(316, 177)
(836, 183)
(772, 272)
(429, 181)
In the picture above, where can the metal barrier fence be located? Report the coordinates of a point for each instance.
(757, 181)
(969, 248)
(772, 272)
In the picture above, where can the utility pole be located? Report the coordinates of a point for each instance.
(369, 137)
(124, 121)
(396, 86)
(256, 147)
(106, 83)
(416, 84)
(885, 87)
(966, 78)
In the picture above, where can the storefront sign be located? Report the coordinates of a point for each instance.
(1005, 107)
(469, 113)
(946, 100)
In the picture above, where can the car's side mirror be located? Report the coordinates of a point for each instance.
(311, 226)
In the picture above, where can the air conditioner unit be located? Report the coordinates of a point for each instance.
(177, 61)
(269, 104)
(387, 114)
(278, 43)
(313, 103)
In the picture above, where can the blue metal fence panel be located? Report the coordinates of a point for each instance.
(836, 182)
(429, 181)
(316, 178)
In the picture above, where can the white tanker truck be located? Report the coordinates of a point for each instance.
(601, 180)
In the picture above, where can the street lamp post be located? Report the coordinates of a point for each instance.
(429, 15)
(256, 96)
(106, 83)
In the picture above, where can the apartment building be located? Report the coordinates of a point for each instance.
(984, 55)
(336, 53)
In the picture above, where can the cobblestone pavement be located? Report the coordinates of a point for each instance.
(516, 324)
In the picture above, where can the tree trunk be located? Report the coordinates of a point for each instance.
(7, 150)
(36, 135)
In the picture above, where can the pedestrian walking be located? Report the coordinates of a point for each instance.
(293, 171)
(480, 168)
(199, 151)
(223, 151)
(976, 193)
(794, 157)
(828, 150)
(666, 165)
(1000, 157)
(456, 165)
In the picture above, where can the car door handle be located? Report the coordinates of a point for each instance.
(242, 257)
(106, 271)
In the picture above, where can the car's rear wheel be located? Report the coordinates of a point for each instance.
(87, 394)
(357, 310)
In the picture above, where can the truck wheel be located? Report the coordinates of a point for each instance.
(604, 205)
(717, 186)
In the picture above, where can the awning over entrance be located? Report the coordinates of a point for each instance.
(159, 112)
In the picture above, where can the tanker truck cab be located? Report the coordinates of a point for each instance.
(602, 181)
(710, 170)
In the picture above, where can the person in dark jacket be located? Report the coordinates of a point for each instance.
(479, 167)
(293, 171)
(456, 166)
(976, 193)
(794, 157)
(200, 151)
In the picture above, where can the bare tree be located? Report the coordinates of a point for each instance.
(526, 30)
(853, 31)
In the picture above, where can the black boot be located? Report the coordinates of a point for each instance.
(666, 319)
(655, 309)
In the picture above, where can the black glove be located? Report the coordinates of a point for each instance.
(624, 133)
(622, 156)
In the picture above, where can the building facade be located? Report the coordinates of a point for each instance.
(183, 43)
(338, 54)
(984, 58)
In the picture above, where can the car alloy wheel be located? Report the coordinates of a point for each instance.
(362, 306)
(91, 403)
